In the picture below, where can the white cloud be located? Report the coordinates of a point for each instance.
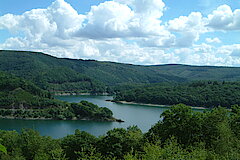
(213, 40)
(192, 22)
(115, 19)
(147, 8)
(60, 31)
(108, 20)
(236, 52)
(189, 27)
(203, 48)
(9, 21)
(129, 31)
(227, 49)
(42, 24)
(223, 18)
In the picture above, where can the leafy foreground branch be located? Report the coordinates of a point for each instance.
(182, 134)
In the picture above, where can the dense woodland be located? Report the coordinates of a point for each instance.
(22, 99)
(95, 77)
(199, 93)
(181, 134)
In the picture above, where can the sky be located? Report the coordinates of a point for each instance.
(146, 32)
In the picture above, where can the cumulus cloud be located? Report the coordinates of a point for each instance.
(60, 31)
(149, 8)
(189, 27)
(42, 24)
(129, 31)
(213, 40)
(115, 19)
(108, 20)
(9, 21)
(223, 18)
(191, 23)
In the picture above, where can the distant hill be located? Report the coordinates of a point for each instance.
(47, 72)
(61, 74)
(192, 73)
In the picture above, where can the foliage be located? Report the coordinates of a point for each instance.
(80, 142)
(199, 93)
(57, 74)
(18, 93)
(48, 72)
(181, 134)
(3, 149)
(81, 110)
(119, 142)
(22, 99)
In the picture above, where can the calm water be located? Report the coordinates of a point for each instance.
(142, 116)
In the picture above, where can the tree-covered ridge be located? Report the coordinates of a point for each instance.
(199, 93)
(48, 72)
(61, 74)
(22, 99)
(181, 134)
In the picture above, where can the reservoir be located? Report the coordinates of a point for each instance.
(142, 116)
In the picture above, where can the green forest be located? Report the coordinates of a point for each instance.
(23, 100)
(180, 134)
(64, 75)
(28, 81)
(199, 93)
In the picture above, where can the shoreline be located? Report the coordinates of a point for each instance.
(73, 119)
(78, 94)
(152, 105)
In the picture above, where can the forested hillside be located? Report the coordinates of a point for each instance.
(47, 72)
(24, 100)
(58, 74)
(199, 93)
(54, 70)
(16, 92)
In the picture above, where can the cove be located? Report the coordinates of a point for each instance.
(142, 116)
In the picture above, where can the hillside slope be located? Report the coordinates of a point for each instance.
(23, 100)
(86, 75)
(18, 93)
(47, 72)
(61, 74)
(192, 73)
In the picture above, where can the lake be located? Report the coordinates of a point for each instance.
(142, 116)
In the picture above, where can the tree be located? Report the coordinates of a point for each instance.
(179, 121)
(80, 142)
(119, 142)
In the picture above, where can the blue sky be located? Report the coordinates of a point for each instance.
(201, 32)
